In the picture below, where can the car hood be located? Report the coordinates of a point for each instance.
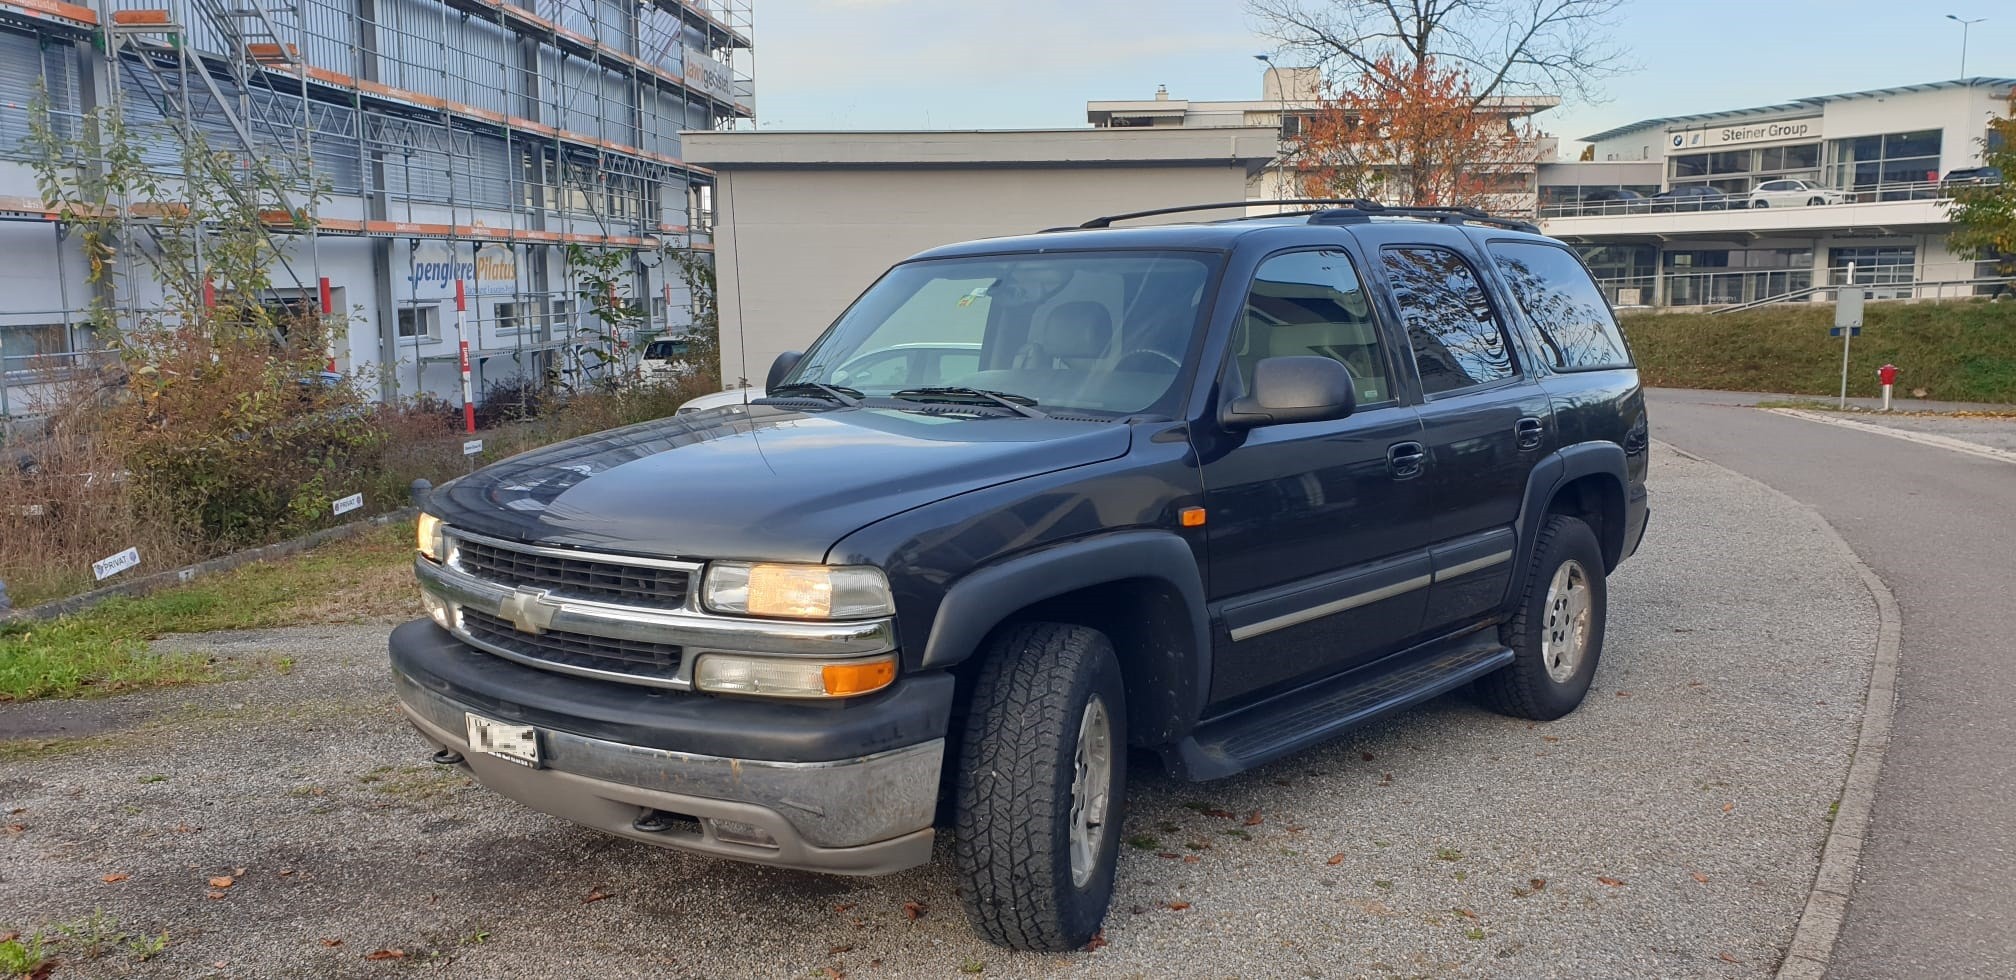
(763, 482)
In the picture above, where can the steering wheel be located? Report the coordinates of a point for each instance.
(1140, 354)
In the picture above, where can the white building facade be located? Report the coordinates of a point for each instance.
(1878, 166)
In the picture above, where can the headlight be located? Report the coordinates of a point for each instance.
(427, 534)
(781, 677)
(798, 591)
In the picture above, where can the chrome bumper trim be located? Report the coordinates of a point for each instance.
(838, 804)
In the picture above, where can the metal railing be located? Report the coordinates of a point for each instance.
(1922, 190)
(1929, 290)
(1744, 288)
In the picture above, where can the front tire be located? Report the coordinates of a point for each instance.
(1042, 787)
(1760, 203)
(1557, 634)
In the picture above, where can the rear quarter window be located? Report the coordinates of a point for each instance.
(1574, 325)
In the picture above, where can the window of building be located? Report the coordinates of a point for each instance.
(562, 317)
(1736, 275)
(1875, 265)
(22, 344)
(1867, 163)
(1455, 334)
(420, 323)
(1567, 310)
(508, 317)
(1736, 171)
(1312, 303)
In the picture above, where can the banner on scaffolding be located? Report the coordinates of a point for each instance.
(491, 269)
(709, 76)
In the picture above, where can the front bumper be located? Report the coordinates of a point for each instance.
(856, 795)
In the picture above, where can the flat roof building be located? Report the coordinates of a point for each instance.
(1778, 201)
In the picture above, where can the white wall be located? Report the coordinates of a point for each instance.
(1962, 113)
(795, 246)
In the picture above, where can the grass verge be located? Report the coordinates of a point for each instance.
(103, 650)
(1959, 351)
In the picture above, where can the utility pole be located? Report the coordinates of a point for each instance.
(1281, 136)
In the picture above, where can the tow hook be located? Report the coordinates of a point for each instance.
(446, 757)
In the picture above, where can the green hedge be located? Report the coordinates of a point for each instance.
(1957, 351)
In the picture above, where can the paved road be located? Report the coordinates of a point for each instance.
(1939, 874)
(1670, 828)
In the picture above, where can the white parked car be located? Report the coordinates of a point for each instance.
(1793, 193)
(665, 359)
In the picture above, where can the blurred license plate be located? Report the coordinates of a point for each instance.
(515, 743)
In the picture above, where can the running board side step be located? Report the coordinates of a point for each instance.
(1299, 719)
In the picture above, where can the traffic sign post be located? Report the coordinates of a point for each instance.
(1847, 323)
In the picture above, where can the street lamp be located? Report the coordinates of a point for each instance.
(1964, 25)
(1281, 137)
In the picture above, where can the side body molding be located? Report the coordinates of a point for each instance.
(1167, 687)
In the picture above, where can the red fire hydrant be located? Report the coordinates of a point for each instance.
(1887, 374)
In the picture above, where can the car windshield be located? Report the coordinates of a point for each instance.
(1105, 332)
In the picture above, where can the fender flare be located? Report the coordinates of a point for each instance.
(1559, 469)
(980, 601)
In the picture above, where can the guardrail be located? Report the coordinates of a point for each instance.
(1745, 289)
(1924, 190)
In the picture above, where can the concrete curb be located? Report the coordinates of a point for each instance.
(1826, 909)
(1921, 438)
(189, 573)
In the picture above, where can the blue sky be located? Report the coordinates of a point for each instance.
(992, 64)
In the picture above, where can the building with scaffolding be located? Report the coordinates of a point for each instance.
(451, 140)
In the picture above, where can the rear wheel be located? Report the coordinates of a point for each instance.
(1760, 203)
(1042, 787)
(1814, 202)
(1557, 634)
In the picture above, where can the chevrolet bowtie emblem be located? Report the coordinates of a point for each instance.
(529, 610)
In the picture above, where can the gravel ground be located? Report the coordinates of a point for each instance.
(1670, 828)
(1996, 433)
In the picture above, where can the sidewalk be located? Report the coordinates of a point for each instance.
(1898, 403)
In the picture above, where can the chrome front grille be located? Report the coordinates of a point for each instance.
(575, 652)
(653, 585)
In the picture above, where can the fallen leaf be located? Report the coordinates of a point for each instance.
(1612, 882)
(1337, 858)
(1253, 819)
(596, 895)
(1698, 876)
(284, 872)
(1175, 906)
(332, 943)
(1537, 883)
(1191, 859)
(1167, 856)
(1623, 694)
(1550, 738)
(1367, 756)
(837, 950)
(1727, 807)
(1726, 958)
(17, 811)
(183, 828)
(222, 881)
(9, 936)
(1385, 779)
(833, 973)
(15, 828)
(1220, 814)
(1466, 913)
(1098, 940)
(213, 894)
(843, 907)
(240, 872)
(1294, 828)
(913, 910)
(385, 954)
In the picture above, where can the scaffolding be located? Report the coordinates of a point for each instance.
(461, 127)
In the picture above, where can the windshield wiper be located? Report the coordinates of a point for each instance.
(1022, 405)
(847, 397)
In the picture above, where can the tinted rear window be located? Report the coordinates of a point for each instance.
(1575, 327)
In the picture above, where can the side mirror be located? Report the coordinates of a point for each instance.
(1293, 389)
(781, 367)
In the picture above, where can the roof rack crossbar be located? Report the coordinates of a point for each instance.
(1106, 221)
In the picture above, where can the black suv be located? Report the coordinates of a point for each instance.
(1213, 491)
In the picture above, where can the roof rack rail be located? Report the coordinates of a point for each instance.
(1331, 210)
(1106, 221)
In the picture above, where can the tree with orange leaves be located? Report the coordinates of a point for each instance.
(1409, 132)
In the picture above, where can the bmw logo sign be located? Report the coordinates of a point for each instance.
(1679, 140)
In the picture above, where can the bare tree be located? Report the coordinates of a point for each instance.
(1505, 47)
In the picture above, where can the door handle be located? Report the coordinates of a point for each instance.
(1405, 459)
(1530, 431)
